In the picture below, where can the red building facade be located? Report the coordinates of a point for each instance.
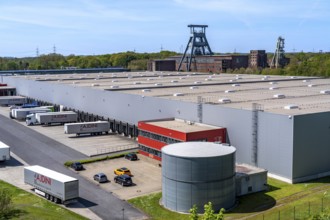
(155, 134)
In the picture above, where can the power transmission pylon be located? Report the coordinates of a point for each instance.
(197, 44)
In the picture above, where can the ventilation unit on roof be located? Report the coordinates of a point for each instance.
(198, 82)
(178, 94)
(325, 92)
(292, 106)
(194, 87)
(182, 78)
(146, 90)
(279, 96)
(158, 84)
(238, 77)
(311, 85)
(208, 79)
(306, 80)
(82, 77)
(225, 100)
(114, 87)
(232, 80)
(273, 88)
(174, 81)
(149, 79)
(95, 84)
(272, 83)
(235, 85)
(75, 82)
(229, 91)
(114, 80)
(137, 83)
(293, 77)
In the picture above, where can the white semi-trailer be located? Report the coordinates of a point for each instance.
(4, 152)
(48, 118)
(21, 113)
(54, 186)
(93, 128)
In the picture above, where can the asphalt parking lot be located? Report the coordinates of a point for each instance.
(146, 176)
(146, 173)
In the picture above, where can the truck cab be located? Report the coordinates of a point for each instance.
(31, 119)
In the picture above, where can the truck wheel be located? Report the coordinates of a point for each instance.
(51, 198)
(47, 196)
(56, 200)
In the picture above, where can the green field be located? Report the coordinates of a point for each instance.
(280, 201)
(26, 205)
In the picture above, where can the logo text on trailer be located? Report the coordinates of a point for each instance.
(42, 179)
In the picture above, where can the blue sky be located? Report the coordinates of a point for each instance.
(83, 27)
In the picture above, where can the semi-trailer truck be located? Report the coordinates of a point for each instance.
(4, 152)
(52, 185)
(93, 128)
(21, 113)
(48, 118)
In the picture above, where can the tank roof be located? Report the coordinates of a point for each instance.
(198, 149)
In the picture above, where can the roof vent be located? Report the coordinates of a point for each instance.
(229, 91)
(174, 81)
(114, 87)
(279, 96)
(95, 84)
(272, 83)
(114, 80)
(325, 92)
(291, 106)
(225, 100)
(158, 84)
(311, 85)
(82, 77)
(75, 82)
(235, 85)
(208, 79)
(306, 80)
(150, 79)
(198, 82)
(273, 88)
(182, 78)
(137, 83)
(178, 94)
(232, 80)
(293, 77)
(194, 87)
(146, 90)
(238, 77)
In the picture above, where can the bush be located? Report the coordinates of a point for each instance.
(92, 160)
(5, 202)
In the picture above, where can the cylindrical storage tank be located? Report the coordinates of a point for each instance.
(195, 173)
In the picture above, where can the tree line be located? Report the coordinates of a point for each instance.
(301, 64)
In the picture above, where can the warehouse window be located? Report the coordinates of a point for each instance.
(150, 150)
(157, 137)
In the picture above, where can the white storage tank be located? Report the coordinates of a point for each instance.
(198, 173)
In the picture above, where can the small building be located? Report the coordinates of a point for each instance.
(155, 134)
(161, 65)
(7, 90)
(250, 179)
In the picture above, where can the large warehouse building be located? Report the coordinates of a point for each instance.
(279, 123)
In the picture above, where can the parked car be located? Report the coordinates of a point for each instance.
(131, 156)
(100, 177)
(77, 166)
(122, 171)
(124, 180)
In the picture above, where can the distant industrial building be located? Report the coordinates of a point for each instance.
(258, 59)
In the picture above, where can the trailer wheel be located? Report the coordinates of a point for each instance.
(51, 198)
(47, 196)
(56, 200)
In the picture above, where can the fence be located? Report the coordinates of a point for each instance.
(115, 149)
(297, 212)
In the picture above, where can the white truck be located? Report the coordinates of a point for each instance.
(48, 118)
(4, 152)
(54, 186)
(93, 128)
(21, 113)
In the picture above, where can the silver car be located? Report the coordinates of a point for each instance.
(100, 177)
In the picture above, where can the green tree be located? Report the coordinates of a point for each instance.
(220, 215)
(193, 213)
(208, 212)
(5, 202)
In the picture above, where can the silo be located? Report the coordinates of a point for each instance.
(198, 173)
